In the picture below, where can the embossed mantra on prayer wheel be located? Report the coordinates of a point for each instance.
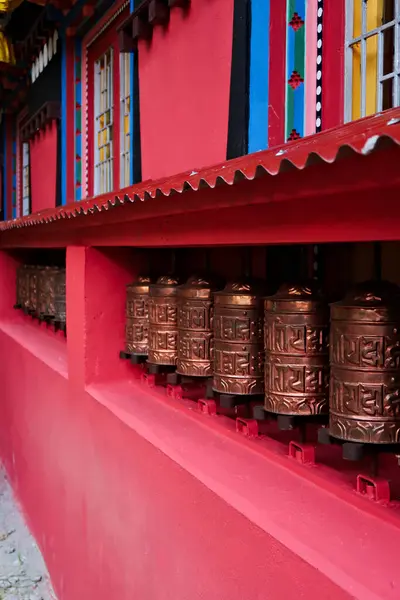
(238, 339)
(195, 327)
(137, 316)
(296, 351)
(163, 321)
(60, 297)
(364, 398)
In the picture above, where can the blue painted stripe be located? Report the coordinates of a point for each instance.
(298, 108)
(63, 118)
(5, 168)
(300, 8)
(259, 70)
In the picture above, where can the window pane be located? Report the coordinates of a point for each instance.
(388, 51)
(357, 6)
(356, 91)
(388, 11)
(374, 13)
(371, 74)
(387, 94)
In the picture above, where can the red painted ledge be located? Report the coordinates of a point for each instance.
(45, 345)
(353, 547)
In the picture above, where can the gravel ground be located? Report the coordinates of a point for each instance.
(23, 574)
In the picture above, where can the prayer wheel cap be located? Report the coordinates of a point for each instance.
(198, 286)
(247, 292)
(371, 301)
(298, 297)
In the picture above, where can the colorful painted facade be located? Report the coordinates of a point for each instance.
(247, 149)
(278, 65)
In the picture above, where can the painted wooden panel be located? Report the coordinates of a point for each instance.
(259, 79)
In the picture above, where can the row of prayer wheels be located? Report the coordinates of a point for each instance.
(41, 292)
(304, 357)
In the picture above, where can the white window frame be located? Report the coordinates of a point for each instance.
(103, 105)
(350, 41)
(26, 188)
(125, 80)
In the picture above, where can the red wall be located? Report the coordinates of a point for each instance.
(43, 167)
(184, 78)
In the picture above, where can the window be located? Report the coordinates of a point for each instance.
(103, 125)
(26, 191)
(125, 117)
(372, 57)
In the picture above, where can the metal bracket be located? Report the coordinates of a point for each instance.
(207, 406)
(374, 488)
(303, 453)
(247, 427)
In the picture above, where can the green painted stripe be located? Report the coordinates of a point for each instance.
(290, 9)
(299, 51)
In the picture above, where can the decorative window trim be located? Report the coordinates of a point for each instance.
(104, 123)
(125, 102)
(48, 51)
(350, 40)
(87, 43)
(26, 180)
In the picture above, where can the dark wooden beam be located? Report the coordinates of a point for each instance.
(158, 12)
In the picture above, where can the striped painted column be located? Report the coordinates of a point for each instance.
(14, 171)
(259, 80)
(295, 69)
(78, 119)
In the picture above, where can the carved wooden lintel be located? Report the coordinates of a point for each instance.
(48, 112)
(139, 25)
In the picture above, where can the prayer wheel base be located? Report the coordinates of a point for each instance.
(288, 422)
(356, 451)
(155, 369)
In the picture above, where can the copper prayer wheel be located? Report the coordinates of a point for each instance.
(60, 297)
(22, 286)
(195, 327)
(43, 276)
(364, 397)
(33, 289)
(137, 316)
(296, 351)
(163, 321)
(46, 291)
(238, 339)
